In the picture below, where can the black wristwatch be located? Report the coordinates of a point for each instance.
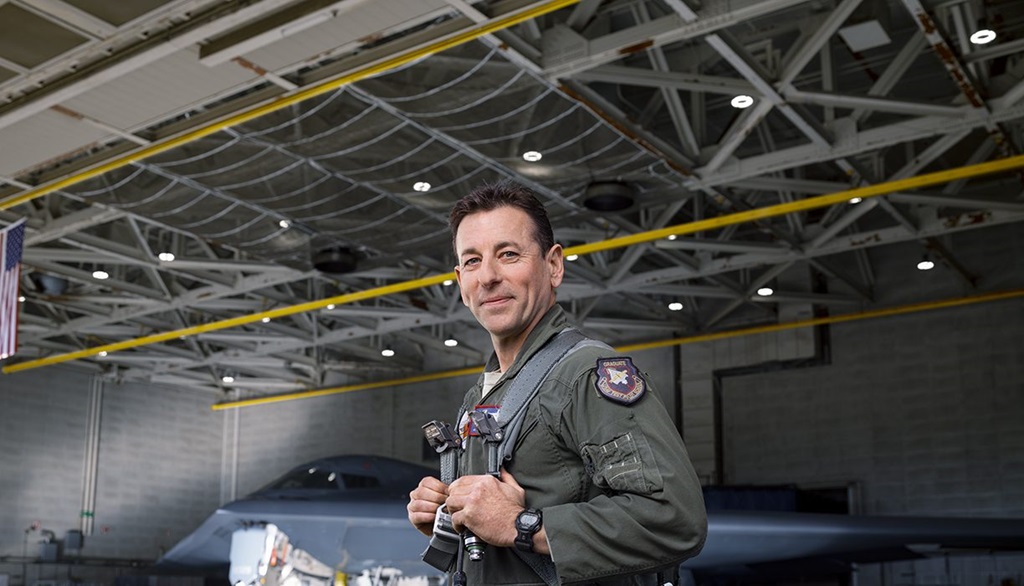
(527, 525)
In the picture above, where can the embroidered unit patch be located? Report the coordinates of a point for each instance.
(618, 380)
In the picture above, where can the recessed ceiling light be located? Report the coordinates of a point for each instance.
(421, 186)
(672, 237)
(165, 256)
(103, 353)
(532, 156)
(451, 342)
(100, 275)
(983, 37)
(856, 200)
(742, 101)
(21, 299)
(925, 265)
(284, 223)
(766, 291)
(387, 352)
(330, 306)
(448, 282)
(266, 320)
(572, 257)
(227, 378)
(675, 306)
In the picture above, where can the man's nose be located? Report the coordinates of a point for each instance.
(489, 271)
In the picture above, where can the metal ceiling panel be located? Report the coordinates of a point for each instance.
(30, 40)
(171, 84)
(118, 13)
(359, 24)
(43, 137)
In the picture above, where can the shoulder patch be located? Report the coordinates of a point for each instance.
(619, 380)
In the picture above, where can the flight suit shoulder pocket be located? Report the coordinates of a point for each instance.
(623, 464)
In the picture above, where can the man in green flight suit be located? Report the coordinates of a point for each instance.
(600, 482)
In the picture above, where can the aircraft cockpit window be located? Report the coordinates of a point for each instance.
(358, 481)
(310, 478)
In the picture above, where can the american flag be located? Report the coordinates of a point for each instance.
(12, 239)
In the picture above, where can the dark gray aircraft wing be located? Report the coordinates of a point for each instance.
(769, 543)
(349, 514)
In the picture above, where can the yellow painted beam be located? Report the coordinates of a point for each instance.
(803, 205)
(233, 322)
(936, 178)
(348, 388)
(403, 58)
(834, 319)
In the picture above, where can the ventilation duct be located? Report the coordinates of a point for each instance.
(608, 196)
(335, 260)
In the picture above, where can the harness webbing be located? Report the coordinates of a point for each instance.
(521, 390)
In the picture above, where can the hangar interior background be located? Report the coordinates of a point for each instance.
(229, 201)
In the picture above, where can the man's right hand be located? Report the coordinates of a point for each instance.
(424, 501)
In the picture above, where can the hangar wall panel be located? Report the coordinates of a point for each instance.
(921, 411)
(159, 455)
(158, 468)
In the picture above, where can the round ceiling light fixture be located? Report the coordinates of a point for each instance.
(421, 186)
(766, 291)
(532, 156)
(608, 196)
(983, 37)
(742, 101)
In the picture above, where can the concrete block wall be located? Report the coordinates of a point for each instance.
(925, 413)
(696, 384)
(159, 455)
(158, 469)
(922, 411)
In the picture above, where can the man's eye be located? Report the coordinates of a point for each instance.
(470, 261)
(509, 254)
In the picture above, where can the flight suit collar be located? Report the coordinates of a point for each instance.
(554, 321)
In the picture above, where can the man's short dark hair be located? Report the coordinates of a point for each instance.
(492, 196)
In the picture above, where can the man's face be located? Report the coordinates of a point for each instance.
(506, 280)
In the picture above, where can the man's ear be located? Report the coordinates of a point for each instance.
(556, 264)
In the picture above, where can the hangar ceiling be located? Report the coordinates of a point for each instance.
(250, 139)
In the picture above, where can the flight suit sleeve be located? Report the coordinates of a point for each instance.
(646, 510)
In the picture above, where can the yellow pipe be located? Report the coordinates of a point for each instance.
(926, 180)
(348, 388)
(398, 60)
(902, 309)
(620, 242)
(832, 319)
(233, 322)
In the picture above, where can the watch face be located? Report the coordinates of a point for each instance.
(528, 519)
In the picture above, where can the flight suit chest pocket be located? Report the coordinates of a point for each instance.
(623, 464)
